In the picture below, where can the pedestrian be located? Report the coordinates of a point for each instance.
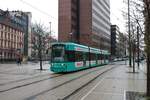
(19, 60)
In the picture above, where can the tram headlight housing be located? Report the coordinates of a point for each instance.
(63, 65)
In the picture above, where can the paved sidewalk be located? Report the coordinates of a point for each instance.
(143, 66)
(14, 72)
(31, 65)
(118, 84)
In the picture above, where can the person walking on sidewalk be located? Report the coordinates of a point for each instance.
(19, 59)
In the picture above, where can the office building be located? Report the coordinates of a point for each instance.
(87, 23)
(14, 33)
(118, 43)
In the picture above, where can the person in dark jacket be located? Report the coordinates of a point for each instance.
(19, 60)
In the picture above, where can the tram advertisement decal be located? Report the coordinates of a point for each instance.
(79, 64)
(81, 49)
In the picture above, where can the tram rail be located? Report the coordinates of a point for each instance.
(69, 81)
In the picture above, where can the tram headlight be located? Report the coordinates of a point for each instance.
(63, 64)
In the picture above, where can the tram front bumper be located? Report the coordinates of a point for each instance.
(58, 68)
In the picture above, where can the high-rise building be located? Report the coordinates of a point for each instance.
(114, 39)
(118, 42)
(86, 23)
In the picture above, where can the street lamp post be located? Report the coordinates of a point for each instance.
(50, 23)
(49, 43)
(138, 49)
(40, 51)
(125, 51)
(130, 63)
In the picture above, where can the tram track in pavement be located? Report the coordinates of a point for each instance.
(34, 82)
(29, 83)
(69, 81)
(24, 79)
(84, 85)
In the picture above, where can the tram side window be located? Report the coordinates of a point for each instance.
(102, 56)
(87, 56)
(93, 56)
(107, 57)
(99, 56)
(78, 56)
(70, 56)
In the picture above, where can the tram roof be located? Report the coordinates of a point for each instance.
(73, 46)
(79, 47)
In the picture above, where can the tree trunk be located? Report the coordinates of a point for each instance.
(40, 52)
(148, 74)
(130, 55)
(133, 45)
(147, 40)
(138, 49)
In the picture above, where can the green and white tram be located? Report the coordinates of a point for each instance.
(68, 57)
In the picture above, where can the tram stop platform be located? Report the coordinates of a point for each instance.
(120, 84)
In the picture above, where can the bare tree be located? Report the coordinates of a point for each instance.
(40, 33)
(141, 15)
(147, 40)
(135, 14)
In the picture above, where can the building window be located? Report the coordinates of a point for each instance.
(2, 35)
(0, 54)
(8, 36)
(5, 44)
(2, 43)
(5, 35)
(2, 27)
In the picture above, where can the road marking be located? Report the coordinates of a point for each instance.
(92, 89)
(109, 93)
(124, 95)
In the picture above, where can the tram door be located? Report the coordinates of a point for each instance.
(102, 59)
(89, 58)
(96, 59)
(84, 59)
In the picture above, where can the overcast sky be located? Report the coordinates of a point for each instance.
(45, 11)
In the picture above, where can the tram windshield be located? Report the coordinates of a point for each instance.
(58, 53)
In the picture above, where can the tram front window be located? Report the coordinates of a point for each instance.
(57, 53)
